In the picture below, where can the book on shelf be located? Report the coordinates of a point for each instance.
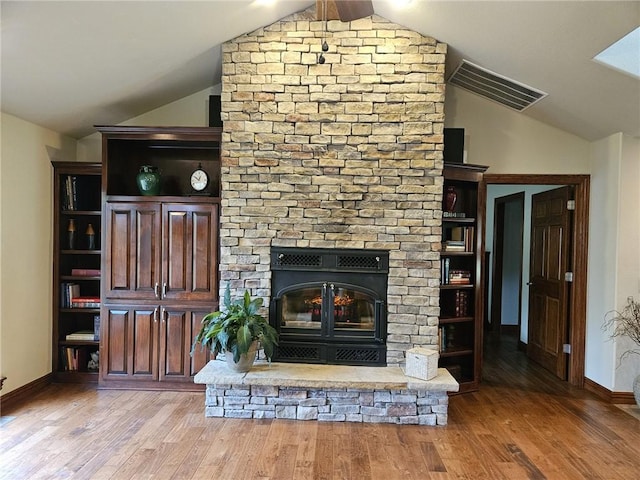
(444, 270)
(96, 328)
(85, 302)
(459, 277)
(446, 336)
(70, 200)
(68, 292)
(461, 303)
(454, 215)
(85, 272)
(71, 358)
(453, 246)
(81, 335)
(460, 239)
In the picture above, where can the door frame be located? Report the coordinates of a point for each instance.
(579, 259)
(499, 205)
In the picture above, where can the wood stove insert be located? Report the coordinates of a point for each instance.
(329, 305)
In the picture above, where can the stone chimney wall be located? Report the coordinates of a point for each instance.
(345, 154)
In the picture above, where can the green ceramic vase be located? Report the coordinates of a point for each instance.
(148, 180)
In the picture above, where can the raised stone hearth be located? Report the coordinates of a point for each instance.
(337, 393)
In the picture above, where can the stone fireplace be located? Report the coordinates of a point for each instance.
(341, 155)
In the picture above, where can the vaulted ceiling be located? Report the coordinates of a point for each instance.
(69, 65)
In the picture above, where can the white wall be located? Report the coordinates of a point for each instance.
(26, 239)
(614, 259)
(191, 111)
(510, 142)
(628, 255)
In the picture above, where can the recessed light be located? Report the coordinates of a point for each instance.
(624, 55)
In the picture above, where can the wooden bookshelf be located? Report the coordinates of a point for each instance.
(77, 200)
(462, 280)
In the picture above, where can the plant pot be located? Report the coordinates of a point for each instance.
(636, 390)
(246, 359)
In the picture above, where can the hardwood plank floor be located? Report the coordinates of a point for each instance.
(522, 424)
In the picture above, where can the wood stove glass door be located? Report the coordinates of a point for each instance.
(302, 311)
(354, 312)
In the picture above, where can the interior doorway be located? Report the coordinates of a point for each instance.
(506, 273)
(576, 310)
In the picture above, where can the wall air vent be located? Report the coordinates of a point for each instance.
(498, 88)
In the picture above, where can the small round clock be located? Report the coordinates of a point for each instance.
(199, 179)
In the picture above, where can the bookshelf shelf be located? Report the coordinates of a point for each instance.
(445, 320)
(78, 203)
(95, 311)
(80, 213)
(465, 220)
(81, 252)
(456, 352)
(79, 278)
(76, 343)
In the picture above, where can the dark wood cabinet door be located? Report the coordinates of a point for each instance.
(178, 328)
(190, 252)
(128, 349)
(132, 253)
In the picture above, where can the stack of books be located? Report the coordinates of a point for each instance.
(459, 277)
(68, 291)
(85, 272)
(455, 246)
(70, 193)
(81, 335)
(461, 305)
(460, 239)
(85, 302)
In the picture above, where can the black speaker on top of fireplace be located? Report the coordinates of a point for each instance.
(454, 145)
(214, 111)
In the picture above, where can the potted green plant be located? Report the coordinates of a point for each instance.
(627, 323)
(236, 330)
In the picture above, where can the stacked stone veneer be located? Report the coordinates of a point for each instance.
(332, 405)
(343, 154)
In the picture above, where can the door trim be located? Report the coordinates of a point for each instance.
(579, 259)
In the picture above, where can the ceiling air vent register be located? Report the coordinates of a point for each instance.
(493, 86)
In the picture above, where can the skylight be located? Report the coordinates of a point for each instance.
(624, 55)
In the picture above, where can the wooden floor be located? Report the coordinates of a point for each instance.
(522, 424)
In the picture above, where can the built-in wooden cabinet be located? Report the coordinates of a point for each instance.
(151, 344)
(162, 251)
(76, 270)
(160, 271)
(461, 274)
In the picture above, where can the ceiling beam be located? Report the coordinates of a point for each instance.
(344, 10)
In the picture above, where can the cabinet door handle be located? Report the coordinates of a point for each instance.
(155, 289)
(164, 289)
(155, 315)
(162, 314)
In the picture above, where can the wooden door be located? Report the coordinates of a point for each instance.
(548, 290)
(178, 328)
(190, 252)
(128, 348)
(132, 251)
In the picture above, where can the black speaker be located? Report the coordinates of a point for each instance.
(214, 111)
(453, 145)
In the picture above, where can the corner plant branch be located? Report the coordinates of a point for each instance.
(625, 323)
